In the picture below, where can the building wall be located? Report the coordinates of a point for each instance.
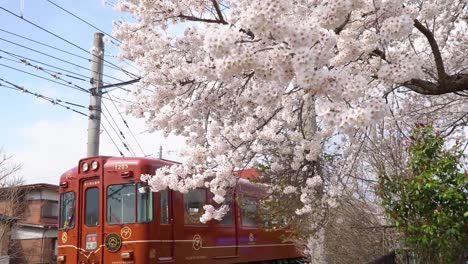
(42, 195)
(28, 251)
(32, 214)
(33, 238)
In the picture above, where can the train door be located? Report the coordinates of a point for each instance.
(166, 226)
(90, 235)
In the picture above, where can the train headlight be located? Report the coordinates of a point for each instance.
(84, 167)
(60, 258)
(94, 165)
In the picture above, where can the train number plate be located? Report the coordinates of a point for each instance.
(91, 241)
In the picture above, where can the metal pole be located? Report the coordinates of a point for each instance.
(94, 121)
(160, 152)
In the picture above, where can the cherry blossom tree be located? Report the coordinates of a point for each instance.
(274, 84)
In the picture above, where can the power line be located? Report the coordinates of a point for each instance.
(54, 74)
(65, 40)
(21, 58)
(59, 49)
(46, 45)
(120, 134)
(54, 101)
(113, 142)
(124, 61)
(44, 78)
(126, 124)
(59, 59)
(84, 21)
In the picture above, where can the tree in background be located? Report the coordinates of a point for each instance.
(276, 83)
(429, 201)
(11, 197)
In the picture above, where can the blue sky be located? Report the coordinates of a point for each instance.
(47, 139)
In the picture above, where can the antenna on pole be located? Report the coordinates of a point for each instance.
(94, 121)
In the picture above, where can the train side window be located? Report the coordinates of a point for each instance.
(144, 203)
(227, 219)
(120, 204)
(164, 202)
(67, 210)
(249, 211)
(194, 201)
(92, 206)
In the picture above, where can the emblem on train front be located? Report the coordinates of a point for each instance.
(126, 232)
(64, 237)
(113, 242)
(197, 242)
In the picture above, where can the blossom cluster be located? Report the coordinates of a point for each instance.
(266, 82)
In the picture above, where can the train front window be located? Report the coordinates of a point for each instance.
(121, 204)
(126, 204)
(67, 210)
(144, 203)
(194, 201)
(92, 206)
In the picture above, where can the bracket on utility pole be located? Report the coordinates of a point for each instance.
(94, 121)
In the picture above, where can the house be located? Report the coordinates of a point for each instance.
(28, 231)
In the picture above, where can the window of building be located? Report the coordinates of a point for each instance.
(92, 206)
(164, 202)
(126, 204)
(249, 211)
(67, 210)
(55, 247)
(194, 201)
(49, 209)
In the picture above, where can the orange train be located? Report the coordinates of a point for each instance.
(104, 218)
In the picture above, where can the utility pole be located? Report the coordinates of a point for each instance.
(94, 121)
(160, 152)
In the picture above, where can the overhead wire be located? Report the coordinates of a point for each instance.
(46, 45)
(44, 78)
(54, 101)
(23, 60)
(126, 144)
(54, 74)
(123, 143)
(21, 57)
(128, 127)
(65, 40)
(59, 59)
(106, 64)
(113, 142)
(84, 21)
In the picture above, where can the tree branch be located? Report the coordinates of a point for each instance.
(341, 27)
(452, 84)
(218, 11)
(435, 50)
(197, 19)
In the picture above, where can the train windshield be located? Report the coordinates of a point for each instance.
(67, 210)
(126, 204)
